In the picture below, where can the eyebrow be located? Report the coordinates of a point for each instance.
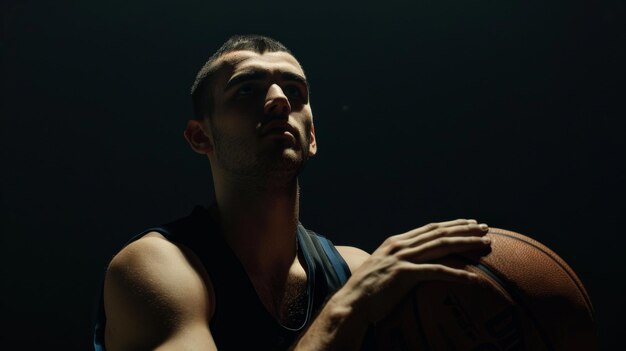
(252, 75)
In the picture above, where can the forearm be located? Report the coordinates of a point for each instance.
(338, 326)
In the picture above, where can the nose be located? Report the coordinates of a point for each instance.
(276, 102)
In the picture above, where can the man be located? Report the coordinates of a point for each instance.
(244, 273)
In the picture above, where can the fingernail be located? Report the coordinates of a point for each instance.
(473, 221)
(486, 239)
(483, 226)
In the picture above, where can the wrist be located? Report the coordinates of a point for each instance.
(340, 325)
(344, 307)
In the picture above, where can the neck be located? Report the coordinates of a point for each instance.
(259, 224)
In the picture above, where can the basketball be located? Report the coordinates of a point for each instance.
(528, 298)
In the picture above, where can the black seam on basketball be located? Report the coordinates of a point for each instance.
(575, 279)
(418, 321)
(516, 296)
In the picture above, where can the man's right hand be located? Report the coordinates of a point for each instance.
(386, 277)
(404, 260)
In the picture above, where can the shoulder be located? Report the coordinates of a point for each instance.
(154, 254)
(156, 265)
(154, 287)
(353, 256)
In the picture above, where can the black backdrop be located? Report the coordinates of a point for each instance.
(510, 112)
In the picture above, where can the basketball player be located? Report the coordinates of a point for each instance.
(244, 273)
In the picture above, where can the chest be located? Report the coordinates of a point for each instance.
(285, 298)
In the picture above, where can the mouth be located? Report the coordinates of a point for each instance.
(280, 129)
(280, 133)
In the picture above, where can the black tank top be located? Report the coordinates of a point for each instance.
(240, 321)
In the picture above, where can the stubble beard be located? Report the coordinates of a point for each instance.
(275, 167)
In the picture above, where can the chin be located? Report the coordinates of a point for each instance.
(286, 169)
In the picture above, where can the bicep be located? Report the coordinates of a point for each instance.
(155, 299)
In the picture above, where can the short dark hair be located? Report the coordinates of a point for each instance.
(201, 92)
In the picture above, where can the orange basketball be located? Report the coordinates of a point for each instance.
(528, 298)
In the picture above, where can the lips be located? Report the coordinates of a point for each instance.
(279, 127)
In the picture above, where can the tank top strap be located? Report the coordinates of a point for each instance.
(322, 252)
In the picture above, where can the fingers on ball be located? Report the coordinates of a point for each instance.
(463, 230)
(442, 247)
(440, 272)
(434, 226)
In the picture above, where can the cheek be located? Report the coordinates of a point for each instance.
(236, 119)
(308, 127)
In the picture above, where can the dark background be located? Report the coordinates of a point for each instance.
(511, 112)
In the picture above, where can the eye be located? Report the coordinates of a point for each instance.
(244, 90)
(292, 91)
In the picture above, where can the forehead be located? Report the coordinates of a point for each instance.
(231, 63)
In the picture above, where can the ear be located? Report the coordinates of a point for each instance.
(198, 137)
(313, 144)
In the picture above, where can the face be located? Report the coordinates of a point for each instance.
(261, 125)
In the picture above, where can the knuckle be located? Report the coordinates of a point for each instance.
(388, 240)
(443, 242)
(466, 240)
(432, 226)
(449, 241)
(393, 244)
(401, 267)
(440, 232)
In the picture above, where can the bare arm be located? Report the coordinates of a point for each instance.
(383, 279)
(157, 297)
